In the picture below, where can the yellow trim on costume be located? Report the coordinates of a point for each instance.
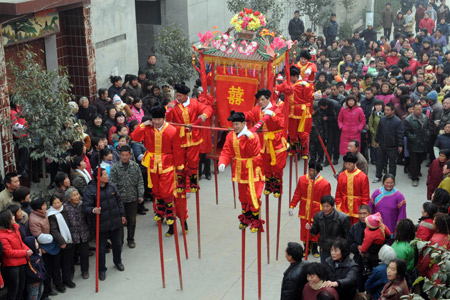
(308, 198)
(350, 195)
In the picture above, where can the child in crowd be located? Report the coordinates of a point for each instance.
(374, 237)
(35, 270)
(425, 230)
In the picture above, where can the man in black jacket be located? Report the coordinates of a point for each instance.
(296, 27)
(369, 34)
(329, 111)
(112, 216)
(355, 240)
(331, 224)
(294, 278)
(388, 141)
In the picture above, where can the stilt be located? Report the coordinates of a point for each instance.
(199, 244)
(177, 249)
(234, 193)
(267, 229)
(259, 263)
(243, 263)
(296, 169)
(161, 254)
(305, 166)
(290, 182)
(215, 180)
(184, 238)
(278, 225)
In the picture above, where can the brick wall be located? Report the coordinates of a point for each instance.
(5, 114)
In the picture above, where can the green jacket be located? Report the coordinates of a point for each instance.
(406, 252)
(374, 120)
(128, 181)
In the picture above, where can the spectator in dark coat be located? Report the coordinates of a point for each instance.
(359, 44)
(330, 29)
(374, 285)
(317, 275)
(435, 171)
(329, 111)
(294, 278)
(443, 139)
(389, 141)
(86, 112)
(342, 270)
(369, 34)
(355, 240)
(112, 216)
(331, 224)
(102, 102)
(296, 27)
(348, 48)
(116, 88)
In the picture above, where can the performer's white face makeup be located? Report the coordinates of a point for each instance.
(238, 126)
(158, 122)
(263, 102)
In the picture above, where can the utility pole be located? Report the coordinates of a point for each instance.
(369, 12)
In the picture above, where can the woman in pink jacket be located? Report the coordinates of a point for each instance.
(351, 121)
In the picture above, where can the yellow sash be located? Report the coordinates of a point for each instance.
(305, 115)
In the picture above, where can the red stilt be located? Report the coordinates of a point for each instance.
(197, 203)
(308, 216)
(97, 234)
(243, 263)
(234, 193)
(267, 229)
(215, 179)
(259, 263)
(184, 238)
(278, 225)
(290, 180)
(161, 254)
(296, 169)
(177, 249)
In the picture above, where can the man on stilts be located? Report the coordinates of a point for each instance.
(243, 145)
(308, 191)
(187, 111)
(352, 188)
(300, 100)
(273, 141)
(160, 140)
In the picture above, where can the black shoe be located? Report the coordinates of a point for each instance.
(186, 230)
(70, 284)
(61, 288)
(208, 176)
(52, 292)
(85, 275)
(315, 250)
(428, 164)
(145, 209)
(131, 244)
(326, 163)
(120, 267)
(143, 213)
(102, 276)
(335, 162)
(169, 232)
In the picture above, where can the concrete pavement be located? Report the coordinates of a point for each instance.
(217, 275)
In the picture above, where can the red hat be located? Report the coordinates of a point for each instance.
(374, 221)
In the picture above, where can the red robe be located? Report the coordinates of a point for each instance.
(273, 141)
(311, 77)
(158, 159)
(246, 169)
(352, 190)
(303, 194)
(188, 141)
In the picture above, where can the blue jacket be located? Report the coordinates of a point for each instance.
(331, 29)
(374, 285)
(445, 29)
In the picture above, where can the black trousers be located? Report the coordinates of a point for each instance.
(14, 278)
(333, 140)
(115, 237)
(316, 152)
(67, 262)
(385, 156)
(433, 138)
(387, 33)
(205, 165)
(415, 161)
(131, 209)
(82, 249)
(53, 267)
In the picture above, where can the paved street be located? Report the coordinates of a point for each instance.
(217, 275)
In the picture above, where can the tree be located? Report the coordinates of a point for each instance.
(174, 47)
(318, 11)
(43, 97)
(346, 28)
(272, 9)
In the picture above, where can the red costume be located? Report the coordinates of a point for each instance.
(304, 194)
(352, 190)
(307, 71)
(374, 236)
(274, 145)
(159, 159)
(300, 115)
(247, 172)
(188, 114)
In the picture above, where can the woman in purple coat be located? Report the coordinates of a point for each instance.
(389, 202)
(351, 121)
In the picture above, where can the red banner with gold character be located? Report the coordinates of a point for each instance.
(234, 93)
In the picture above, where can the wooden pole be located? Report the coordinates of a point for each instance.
(197, 204)
(177, 249)
(215, 180)
(290, 179)
(278, 225)
(259, 263)
(161, 253)
(267, 229)
(243, 263)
